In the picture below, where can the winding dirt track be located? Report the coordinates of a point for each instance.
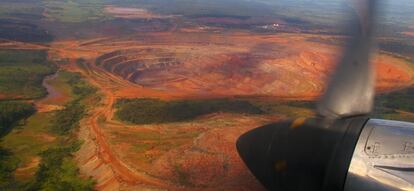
(122, 173)
(97, 157)
(123, 176)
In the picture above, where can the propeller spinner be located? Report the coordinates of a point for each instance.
(341, 149)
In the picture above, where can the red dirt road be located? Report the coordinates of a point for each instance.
(205, 160)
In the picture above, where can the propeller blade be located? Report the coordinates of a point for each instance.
(314, 154)
(350, 91)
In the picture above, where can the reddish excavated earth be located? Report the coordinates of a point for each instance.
(279, 65)
(192, 61)
(9, 44)
(410, 33)
(201, 154)
(133, 13)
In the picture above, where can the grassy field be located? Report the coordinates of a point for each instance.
(28, 140)
(57, 170)
(10, 115)
(291, 109)
(21, 75)
(22, 72)
(74, 10)
(12, 8)
(396, 105)
(400, 47)
(53, 10)
(39, 150)
(18, 21)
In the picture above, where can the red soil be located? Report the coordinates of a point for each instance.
(132, 13)
(207, 162)
(393, 73)
(281, 65)
(270, 66)
(285, 66)
(409, 33)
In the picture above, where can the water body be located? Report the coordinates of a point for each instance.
(51, 101)
(52, 93)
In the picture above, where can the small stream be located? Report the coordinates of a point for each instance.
(44, 104)
(51, 91)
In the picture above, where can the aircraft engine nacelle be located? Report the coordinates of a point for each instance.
(351, 154)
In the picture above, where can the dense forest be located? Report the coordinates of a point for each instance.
(147, 111)
(68, 118)
(397, 105)
(22, 73)
(57, 170)
(10, 113)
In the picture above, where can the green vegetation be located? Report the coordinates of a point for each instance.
(42, 130)
(8, 165)
(26, 141)
(401, 100)
(292, 109)
(21, 76)
(396, 105)
(17, 20)
(401, 47)
(58, 171)
(68, 118)
(146, 111)
(74, 10)
(12, 112)
(22, 72)
(336, 41)
(11, 8)
(48, 136)
(60, 84)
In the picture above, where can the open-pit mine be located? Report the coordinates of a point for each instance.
(160, 58)
(198, 154)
